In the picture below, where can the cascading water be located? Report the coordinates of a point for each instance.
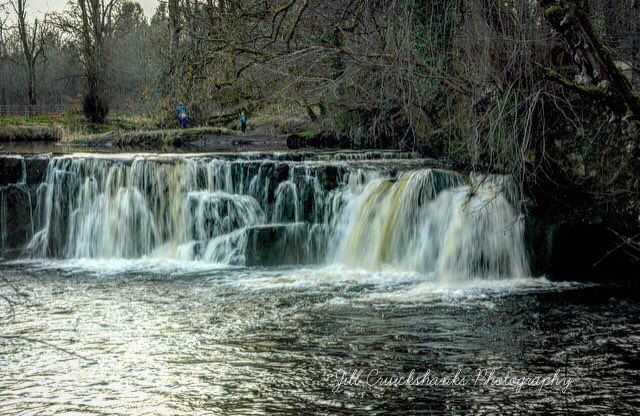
(256, 211)
(434, 222)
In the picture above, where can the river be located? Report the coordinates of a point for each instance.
(280, 284)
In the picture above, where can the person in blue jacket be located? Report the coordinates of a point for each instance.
(181, 113)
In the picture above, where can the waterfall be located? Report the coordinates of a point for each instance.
(259, 210)
(287, 208)
(431, 222)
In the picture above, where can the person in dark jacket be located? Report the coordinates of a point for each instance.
(243, 121)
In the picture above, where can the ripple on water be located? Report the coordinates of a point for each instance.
(149, 337)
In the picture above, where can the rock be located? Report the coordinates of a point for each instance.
(281, 172)
(29, 134)
(36, 168)
(283, 244)
(320, 140)
(331, 176)
(16, 227)
(295, 141)
(576, 251)
(142, 138)
(10, 169)
(538, 240)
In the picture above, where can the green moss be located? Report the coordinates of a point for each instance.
(551, 10)
(307, 134)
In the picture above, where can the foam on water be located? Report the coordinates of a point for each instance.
(120, 267)
(476, 290)
(347, 287)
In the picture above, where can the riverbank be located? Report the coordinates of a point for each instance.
(69, 133)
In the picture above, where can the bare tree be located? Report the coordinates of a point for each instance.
(31, 42)
(4, 56)
(91, 24)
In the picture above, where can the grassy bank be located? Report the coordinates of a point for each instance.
(64, 127)
(149, 133)
(25, 134)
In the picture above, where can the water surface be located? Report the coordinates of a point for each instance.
(188, 338)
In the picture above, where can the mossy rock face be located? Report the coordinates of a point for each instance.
(164, 138)
(35, 167)
(314, 139)
(277, 245)
(18, 221)
(10, 170)
(25, 134)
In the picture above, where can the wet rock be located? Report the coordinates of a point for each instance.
(318, 140)
(15, 221)
(277, 245)
(281, 172)
(331, 177)
(295, 141)
(577, 251)
(538, 241)
(10, 169)
(36, 168)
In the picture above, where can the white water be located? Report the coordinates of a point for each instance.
(215, 211)
(410, 224)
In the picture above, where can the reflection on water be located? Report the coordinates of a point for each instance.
(86, 337)
(229, 143)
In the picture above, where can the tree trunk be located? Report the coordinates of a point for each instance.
(174, 27)
(95, 107)
(599, 77)
(32, 85)
(29, 49)
(95, 27)
(635, 45)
